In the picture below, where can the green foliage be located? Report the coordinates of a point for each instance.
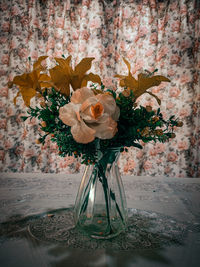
(135, 124)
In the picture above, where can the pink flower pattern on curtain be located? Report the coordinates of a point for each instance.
(150, 34)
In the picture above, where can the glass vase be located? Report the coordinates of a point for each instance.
(100, 208)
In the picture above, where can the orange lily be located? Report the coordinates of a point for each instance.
(143, 83)
(63, 75)
(31, 83)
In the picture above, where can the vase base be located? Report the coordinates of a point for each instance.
(98, 227)
(98, 235)
(105, 237)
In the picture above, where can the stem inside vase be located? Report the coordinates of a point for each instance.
(100, 208)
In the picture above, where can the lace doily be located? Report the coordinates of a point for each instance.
(146, 230)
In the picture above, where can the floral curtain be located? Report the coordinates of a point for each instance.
(150, 34)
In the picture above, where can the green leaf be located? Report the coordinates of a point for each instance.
(24, 118)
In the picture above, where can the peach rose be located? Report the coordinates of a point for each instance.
(174, 92)
(130, 165)
(29, 153)
(139, 154)
(5, 59)
(126, 13)
(160, 148)
(176, 26)
(167, 170)
(134, 21)
(60, 23)
(85, 35)
(2, 105)
(182, 145)
(170, 105)
(142, 31)
(172, 157)
(171, 40)
(3, 124)
(184, 113)
(8, 144)
(10, 112)
(147, 165)
(75, 35)
(23, 52)
(185, 78)
(149, 53)
(108, 82)
(170, 72)
(95, 23)
(19, 150)
(154, 38)
(175, 59)
(2, 154)
(5, 27)
(90, 115)
(153, 152)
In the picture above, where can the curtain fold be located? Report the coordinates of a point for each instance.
(150, 34)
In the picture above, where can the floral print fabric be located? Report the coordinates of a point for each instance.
(150, 34)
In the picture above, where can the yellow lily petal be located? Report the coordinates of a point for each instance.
(22, 80)
(64, 65)
(127, 64)
(158, 100)
(79, 72)
(27, 94)
(83, 66)
(60, 80)
(15, 98)
(90, 77)
(45, 80)
(37, 65)
(143, 83)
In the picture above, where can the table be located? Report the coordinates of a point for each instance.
(27, 197)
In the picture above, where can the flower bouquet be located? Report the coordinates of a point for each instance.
(94, 124)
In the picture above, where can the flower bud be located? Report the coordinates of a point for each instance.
(37, 141)
(179, 124)
(42, 104)
(10, 84)
(148, 108)
(173, 135)
(43, 124)
(126, 93)
(145, 132)
(155, 119)
(159, 132)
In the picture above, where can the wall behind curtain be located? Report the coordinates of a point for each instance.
(149, 34)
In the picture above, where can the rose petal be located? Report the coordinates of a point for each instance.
(108, 103)
(86, 110)
(80, 95)
(116, 114)
(82, 133)
(67, 114)
(105, 130)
